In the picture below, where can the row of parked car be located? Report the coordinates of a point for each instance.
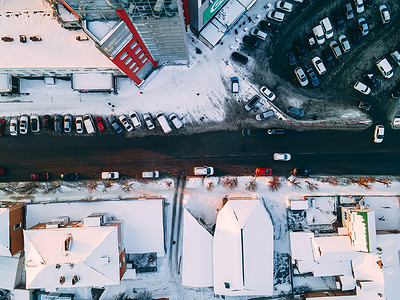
(66, 123)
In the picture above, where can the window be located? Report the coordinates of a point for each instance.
(327, 294)
(18, 225)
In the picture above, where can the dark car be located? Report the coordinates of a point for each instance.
(264, 25)
(396, 92)
(40, 176)
(313, 77)
(373, 79)
(251, 41)
(239, 58)
(338, 17)
(364, 105)
(251, 132)
(58, 123)
(298, 45)
(100, 124)
(46, 120)
(2, 172)
(115, 125)
(252, 103)
(301, 172)
(2, 125)
(292, 58)
(69, 177)
(356, 35)
(368, 3)
(295, 111)
(276, 131)
(328, 56)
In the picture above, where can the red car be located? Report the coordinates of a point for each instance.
(2, 172)
(2, 124)
(40, 176)
(100, 124)
(263, 171)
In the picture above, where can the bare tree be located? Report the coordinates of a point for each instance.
(51, 188)
(146, 295)
(230, 182)
(170, 184)
(385, 181)
(210, 186)
(274, 184)
(122, 296)
(365, 182)
(311, 186)
(92, 185)
(331, 180)
(28, 188)
(106, 185)
(295, 182)
(127, 187)
(252, 185)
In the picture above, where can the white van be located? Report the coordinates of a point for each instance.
(385, 68)
(89, 125)
(326, 24)
(319, 34)
(162, 120)
(396, 57)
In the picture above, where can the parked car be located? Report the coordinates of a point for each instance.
(69, 177)
(319, 65)
(396, 92)
(319, 34)
(251, 132)
(368, 3)
(300, 172)
(359, 4)
(100, 124)
(35, 123)
(236, 56)
(79, 124)
(253, 103)
(328, 29)
(311, 42)
(58, 123)
(40, 176)
(2, 125)
(301, 76)
(148, 121)
(175, 121)
(46, 121)
(335, 49)
(282, 156)
(356, 35)
(298, 45)
(203, 171)
(344, 42)
(135, 119)
(396, 57)
(251, 41)
(125, 123)
(363, 26)
(295, 111)
(328, 57)
(283, 5)
(385, 16)
(373, 79)
(264, 115)
(23, 125)
(276, 15)
(263, 172)
(313, 77)
(114, 124)
(109, 175)
(67, 123)
(14, 127)
(235, 85)
(89, 124)
(364, 105)
(276, 131)
(266, 92)
(2, 172)
(396, 122)
(379, 134)
(362, 88)
(267, 26)
(385, 68)
(258, 33)
(292, 58)
(339, 19)
(348, 11)
(151, 174)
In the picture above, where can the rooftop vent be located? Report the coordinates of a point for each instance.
(75, 279)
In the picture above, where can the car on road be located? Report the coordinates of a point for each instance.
(23, 125)
(2, 126)
(125, 123)
(339, 19)
(385, 16)
(274, 131)
(235, 85)
(258, 33)
(344, 43)
(379, 134)
(203, 171)
(282, 156)
(373, 79)
(150, 174)
(40, 176)
(328, 56)
(46, 121)
(363, 26)
(283, 5)
(267, 93)
(335, 49)
(359, 4)
(298, 45)
(301, 76)
(13, 127)
(251, 132)
(67, 123)
(251, 41)
(69, 177)
(135, 119)
(313, 77)
(58, 123)
(301, 172)
(292, 58)
(295, 111)
(318, 65)
(35, 123)
(364, 105)
(264, 115)
(149, 122)
(263, 172)
(236, 56)
(175, 121)
(319, 34)
(253, 103)
(100, 124)
(348, 11)
(362, 88)
(79, 124)
(276, 15)
(114, 124)
(109, 175)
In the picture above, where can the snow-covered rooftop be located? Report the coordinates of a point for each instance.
(4, 233)
(333, 248)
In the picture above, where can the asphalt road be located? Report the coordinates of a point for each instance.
(325, 152)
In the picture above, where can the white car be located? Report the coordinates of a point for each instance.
(384, 13)
(151, 174)
(109, 175)
(125, 122)
(379, 134)
(135, 119)
(282, 156)
(276, 15)
(319, 34)
(301, 76)
(362, 88)
(148, 121)
(23, 125)
(258, 33)
(319, 65)
(344, 42)
(264, 115)
(14, 127)
(35, 123)
(335, 49)
(175, 120)
(203, 171)
(396, 122)
(79, 124)
(285, 6)
(359, 4)
(67, 123)
(267, 93)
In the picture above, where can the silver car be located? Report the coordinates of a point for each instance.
(148, 121)
(23, 125)
(344, 42)
(335, 49)
(301, 76)
(125, 122)
(67, 123)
